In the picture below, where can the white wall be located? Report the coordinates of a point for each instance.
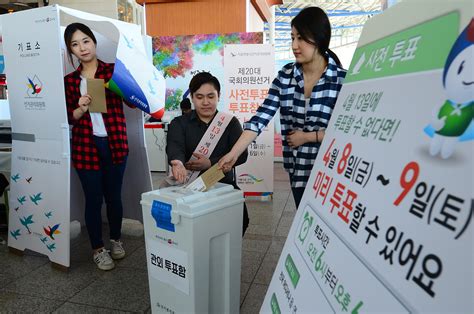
(254, 21)
(345, 54)
(106, 8)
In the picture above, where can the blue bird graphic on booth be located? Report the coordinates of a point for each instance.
(26, 221)
(21, 199)
(15, 234)
(36, 198)
(15, 177)
(51, 246)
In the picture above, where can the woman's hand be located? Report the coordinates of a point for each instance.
(227, 162)
(321, 133)
(178, 170)
(297, 138)
(199, 163)
(84, 102)
(83, 106)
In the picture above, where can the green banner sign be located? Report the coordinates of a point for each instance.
(420, 48)
(292, 271)
(274, 305)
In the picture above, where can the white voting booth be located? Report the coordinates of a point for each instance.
(193, 249)
(45, 192)
(386, 220)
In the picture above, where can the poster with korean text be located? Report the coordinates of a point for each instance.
(179, 58)
(385, 224)
(248, 73)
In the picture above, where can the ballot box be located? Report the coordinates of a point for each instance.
(193, 249)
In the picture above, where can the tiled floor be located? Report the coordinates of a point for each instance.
(30, 284)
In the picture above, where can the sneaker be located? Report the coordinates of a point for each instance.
(103, 260)
(117, 250)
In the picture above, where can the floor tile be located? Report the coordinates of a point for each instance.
(135, 260)
(69, 307)
(281, 190)
(281, 194)
(254, 299)
(121, 289)
(278, 238)
(251, 236)
(255, 245)
(5, 279)
(276, 247)
(18, 303)
(265, 272)
(283, 229)
(48, 282)
(244, 288)
(250, 264)
(262, 229)
(290, 205)
(279, 205)
(289, 214)
(264, 217)
(19, 266)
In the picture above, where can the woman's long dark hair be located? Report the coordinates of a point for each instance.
(313, 25)
(70, 30)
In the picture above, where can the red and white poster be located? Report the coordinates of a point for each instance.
(248, 74)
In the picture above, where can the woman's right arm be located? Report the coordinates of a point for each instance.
(76, 105)
(254, 126)
(83, 103)
(227, 162)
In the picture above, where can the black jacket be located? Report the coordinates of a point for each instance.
(185, 132)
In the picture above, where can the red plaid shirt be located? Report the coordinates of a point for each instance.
(84, 152)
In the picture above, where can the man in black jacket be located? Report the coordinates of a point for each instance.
(185, 133)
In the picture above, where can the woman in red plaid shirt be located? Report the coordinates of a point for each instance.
(99, 143)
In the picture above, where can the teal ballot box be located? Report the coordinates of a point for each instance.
(193, 249)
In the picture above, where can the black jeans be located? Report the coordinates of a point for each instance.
(297, 195)
(99, 184)
(297, 192)
(245, 220)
